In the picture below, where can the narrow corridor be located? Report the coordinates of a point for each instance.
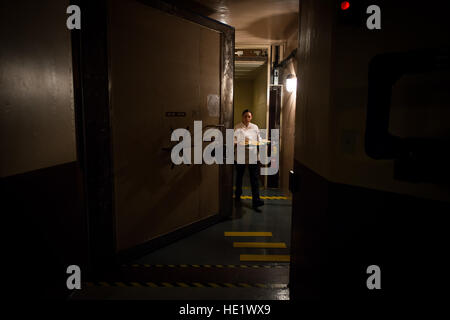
(123, 124)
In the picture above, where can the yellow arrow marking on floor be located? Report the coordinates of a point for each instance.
(248, 234)
(259, 245)
(197, 284)
(120, 284)
(135, 284)
(182, 284)
(167, 285)
(264, 257)
(151, 284)
(267, 198)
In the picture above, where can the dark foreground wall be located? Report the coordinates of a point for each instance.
(43, 225)
(340, 230)
(349, 210)
(45, 230)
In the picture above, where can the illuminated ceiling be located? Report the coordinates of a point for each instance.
(255, 21)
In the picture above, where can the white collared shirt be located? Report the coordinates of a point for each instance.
(241, 131)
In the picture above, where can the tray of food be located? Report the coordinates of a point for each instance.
(254, 142)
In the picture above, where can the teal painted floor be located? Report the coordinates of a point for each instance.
(160, 276)
(210, 246)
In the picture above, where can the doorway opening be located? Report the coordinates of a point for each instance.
(231, 244)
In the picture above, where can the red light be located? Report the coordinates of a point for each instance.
(345, 5)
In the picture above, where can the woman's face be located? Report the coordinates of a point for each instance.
(246, 118)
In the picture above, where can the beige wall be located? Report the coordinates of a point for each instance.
(243, 97)
(252, 94)
(332, 94)
(260, 97)
(287, 134)
(288, 106)
(37, 126)
(291, 42)
(312, 122)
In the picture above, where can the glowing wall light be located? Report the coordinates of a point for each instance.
(291, 83)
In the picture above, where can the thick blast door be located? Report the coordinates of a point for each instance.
(166, 71)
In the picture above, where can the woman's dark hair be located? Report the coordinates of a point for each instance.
(245, 111)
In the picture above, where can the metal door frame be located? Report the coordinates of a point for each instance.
(92, 92)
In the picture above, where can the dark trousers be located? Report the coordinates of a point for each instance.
(253, 170)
